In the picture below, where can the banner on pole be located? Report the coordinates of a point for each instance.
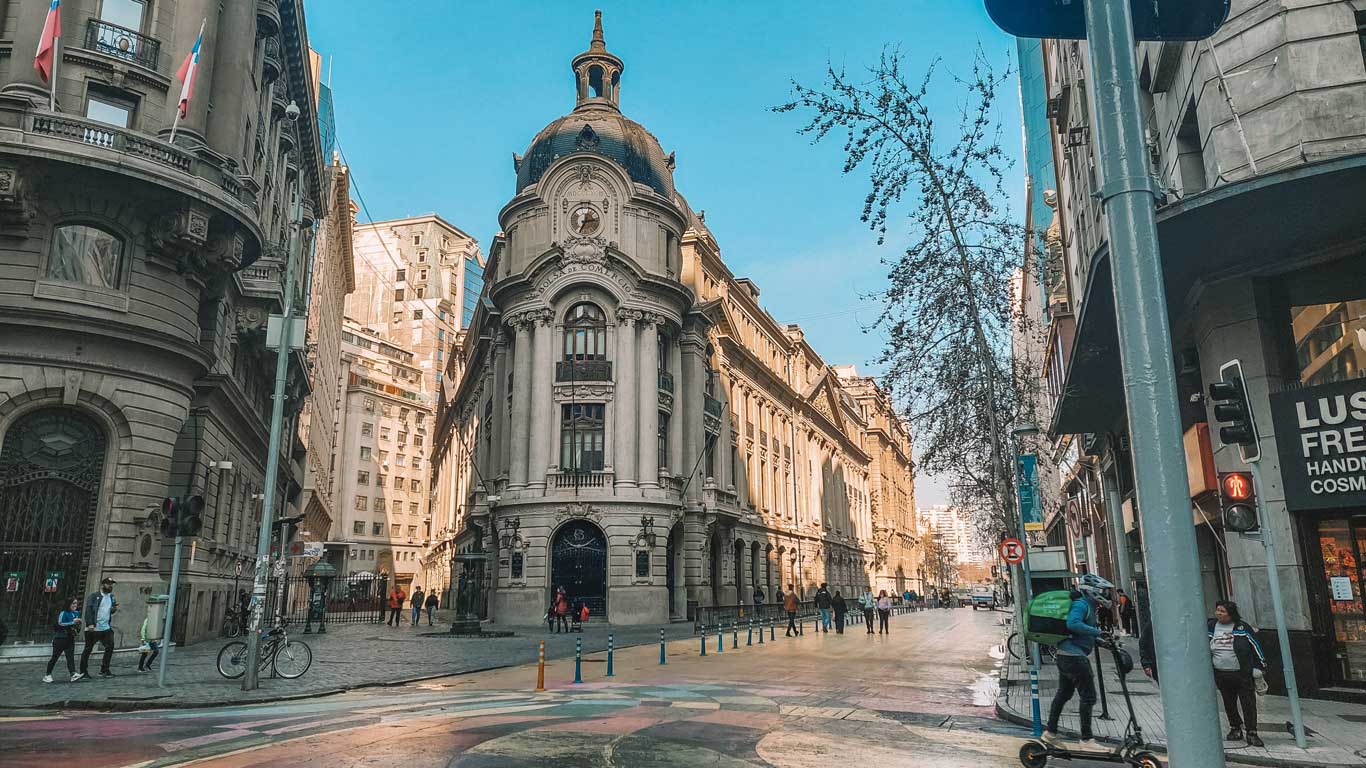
(1027, 470)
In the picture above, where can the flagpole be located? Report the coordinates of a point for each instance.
(182, 105)
(56, 57)
(175, 123)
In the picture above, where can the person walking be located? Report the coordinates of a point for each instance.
(868, 604)
(884, 611)
(100, 608)
(840, 607)
(396, 600)
(1074, 666)
(790, 604)
(1147, 648)
(758, 599)
(1128, 616)
(823, 603)
(148, 650)
(431, 605)
(1238, 660)
(561, 611)
(64, 639)
(906, 599)
(419, 597)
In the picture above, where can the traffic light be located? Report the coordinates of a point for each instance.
(182, 516)
(1233, 412)
(1153, 19)
(170, 517)
(1238, 501)
(289, 528)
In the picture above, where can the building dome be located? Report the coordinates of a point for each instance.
(597, 126)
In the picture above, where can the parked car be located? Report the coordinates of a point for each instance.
(983, 597)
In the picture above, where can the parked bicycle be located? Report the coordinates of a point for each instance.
(284, 657)
(233, 623)
(1019, 649)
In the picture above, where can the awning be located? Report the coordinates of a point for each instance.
(1249, 226)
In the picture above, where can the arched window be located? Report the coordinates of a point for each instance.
(585, 333)
(86, 255)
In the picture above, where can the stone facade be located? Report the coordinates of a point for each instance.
(628, 422)
(138, 277)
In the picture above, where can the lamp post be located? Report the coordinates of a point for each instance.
(1017, 434)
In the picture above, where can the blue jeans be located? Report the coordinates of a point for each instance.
(417, 611)
(825, 619)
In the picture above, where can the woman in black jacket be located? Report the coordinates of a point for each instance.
(841, 608)
(1233, 646)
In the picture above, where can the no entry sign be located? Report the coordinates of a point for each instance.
(1012, 551)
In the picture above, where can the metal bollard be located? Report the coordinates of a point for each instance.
(735, 635)
(578, 660)
(749, 636)
(540, 668)
(720, 637)
(761, 631)
(801, 627)
(609, 655)
(704, 639)
(661, 648)
(772, 629)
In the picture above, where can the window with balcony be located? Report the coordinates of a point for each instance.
(86, 255)
(585, 333)
(581, 437)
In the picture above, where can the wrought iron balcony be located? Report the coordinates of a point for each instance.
(583, 370)
(122, 42)
(666, 381)
(711, 415)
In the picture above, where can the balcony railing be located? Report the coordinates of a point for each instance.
(711, 415)
(666, 382)
(111, 137)
(571, 479)
(124, 43)
(583, 370)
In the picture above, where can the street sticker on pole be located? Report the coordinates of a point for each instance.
(1012, 551)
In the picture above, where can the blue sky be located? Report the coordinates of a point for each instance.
(432, 99)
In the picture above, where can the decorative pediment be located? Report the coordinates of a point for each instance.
(825, 400)
(578, 510)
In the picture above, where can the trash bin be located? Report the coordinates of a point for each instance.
(156, 616)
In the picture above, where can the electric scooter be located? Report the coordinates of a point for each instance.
(1131, 751)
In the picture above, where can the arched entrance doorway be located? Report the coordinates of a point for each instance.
(578, 562)
(51, 464)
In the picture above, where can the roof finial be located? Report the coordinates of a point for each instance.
(598, 44)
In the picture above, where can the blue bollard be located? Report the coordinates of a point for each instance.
(704, 639)
(609, 654)
(720, 637)
(749, 636)
(661, 648)
(578, 660)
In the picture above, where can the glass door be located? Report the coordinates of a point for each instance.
(1342, 542)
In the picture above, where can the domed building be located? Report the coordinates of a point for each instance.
(591, 439)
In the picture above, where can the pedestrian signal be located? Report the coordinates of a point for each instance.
(1238, 501)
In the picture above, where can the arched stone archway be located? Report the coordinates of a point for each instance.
(578, 562)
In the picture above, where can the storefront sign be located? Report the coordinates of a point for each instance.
(1321, 439)
(1342, 587)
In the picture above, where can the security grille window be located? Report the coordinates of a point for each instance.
(1330, 340)
(85, 255)
(517, 561)
(581, 437)
(642, 564)
(585, 334)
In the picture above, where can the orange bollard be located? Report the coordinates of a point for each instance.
(540, 669)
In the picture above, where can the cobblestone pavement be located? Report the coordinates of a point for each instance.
(1337, 736)
(349, 656)
(921, 696)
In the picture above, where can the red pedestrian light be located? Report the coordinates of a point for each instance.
(1237, 486)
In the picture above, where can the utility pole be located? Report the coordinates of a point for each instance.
(277, 417)
(1151, 402)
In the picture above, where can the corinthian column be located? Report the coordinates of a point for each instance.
(648, 376)
(521, 402)
(543, 431)
(624, 402)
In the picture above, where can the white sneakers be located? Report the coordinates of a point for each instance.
(1051, 739)
(1091, 745)
(47, 678)
(76, 677)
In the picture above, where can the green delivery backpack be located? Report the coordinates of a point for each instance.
(1046, 621)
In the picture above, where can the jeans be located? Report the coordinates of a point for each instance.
(882, 614)
(868, 619)
(1236, 688)
(825, 619)
(146, 658)
(1074, 676)
(431, 611)
(417, 613)
(791, 623)
(63, 646)
(105, 638)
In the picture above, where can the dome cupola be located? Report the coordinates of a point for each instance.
(598, 72)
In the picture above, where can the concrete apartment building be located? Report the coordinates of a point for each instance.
(1257, 143)
(138, 279)
(628, 422)
(383, 518)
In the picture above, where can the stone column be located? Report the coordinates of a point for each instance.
(624, 401)
(687, 410)
(648, 378)
(189, 14)
(687, 430)
(231, 89)
(521, 402)
(24, 79)
(543, 431)
(498, 461)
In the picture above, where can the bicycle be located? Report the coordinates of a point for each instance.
(232, 623)
(1018, 648)
(284, 657)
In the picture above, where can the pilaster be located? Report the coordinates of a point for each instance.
(521, 401)
(648, 378)
(543, 431)
(624, 400)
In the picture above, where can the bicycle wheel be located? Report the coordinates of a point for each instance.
(231, 628)
(292, 659)
(1016, 645)
(232, 660)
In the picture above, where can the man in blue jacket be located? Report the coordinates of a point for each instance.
(1074, 665)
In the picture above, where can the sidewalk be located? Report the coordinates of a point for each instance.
(1338, 736)
(348, 657)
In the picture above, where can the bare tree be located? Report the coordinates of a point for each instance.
(948, 307)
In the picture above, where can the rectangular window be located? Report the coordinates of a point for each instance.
(517, 565)
(401, 276)
(379, 503)
(399, 295)
(105, 108)
(358, 527)
(412, 531)
(384, 433)
(367, 429)
(362, 503)
(384, 457)
(368, 404)
(381, 480)
(422, 275)
(1330, 340)
(663, 440)
(397, 507)
(417, 313)
(415, 486)
(85, 255)
(365, 453)
(402, 460)
(417, 463)
(417, 239)
(398, 483)
(376, 529)
(412, 505)
(421, 292)
(581, 437)
(642, 564)
(394, 529)
(402, 438)
(417, 441)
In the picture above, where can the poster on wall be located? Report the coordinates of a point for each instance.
(1341, 587)
(1321, 442)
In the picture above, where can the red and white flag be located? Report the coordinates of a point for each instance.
(44, 60)
(187, 71)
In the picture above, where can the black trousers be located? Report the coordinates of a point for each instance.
(1074, 676)
(1236, 688)
(868, 619)
(146, 658)
(105, 638)
(63, 646)
(394, 614)
(882, 615)
(839, 622)
(791, 622)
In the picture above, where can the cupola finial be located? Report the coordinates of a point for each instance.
(597, 72)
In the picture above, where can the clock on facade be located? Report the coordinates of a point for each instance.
(585, 221)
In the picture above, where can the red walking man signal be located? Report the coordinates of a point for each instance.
(1237, 486)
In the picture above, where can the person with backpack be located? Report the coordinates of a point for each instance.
(1238, 661)
(64, 639)
(823, 604)
(418, 598)
(431, 605)
(791, 604)
(1073, 660)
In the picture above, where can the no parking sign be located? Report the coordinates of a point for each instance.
(1012, 551)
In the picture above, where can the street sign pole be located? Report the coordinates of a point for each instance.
(1149, 376)
(170, 612)
(1026, 478)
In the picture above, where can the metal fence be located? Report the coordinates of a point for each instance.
(710, 615)
(348, 600)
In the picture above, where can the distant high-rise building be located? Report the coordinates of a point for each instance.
(955, 531)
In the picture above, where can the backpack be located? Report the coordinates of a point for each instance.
(1046, 617)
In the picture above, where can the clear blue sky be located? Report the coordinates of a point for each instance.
(433, 98)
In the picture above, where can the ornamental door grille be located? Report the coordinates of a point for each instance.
(51, 464)
(579, 564)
